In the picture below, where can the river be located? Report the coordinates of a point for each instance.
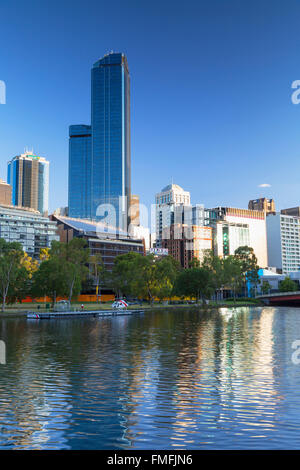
(179, 379)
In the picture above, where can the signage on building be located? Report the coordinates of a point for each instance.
(159, 251)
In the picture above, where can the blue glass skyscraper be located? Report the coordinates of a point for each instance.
(80, 171)
(28, 176)
(102, 159)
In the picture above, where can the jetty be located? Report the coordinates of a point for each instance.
(81, 313)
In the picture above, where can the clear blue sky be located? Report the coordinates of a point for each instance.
(210, 91)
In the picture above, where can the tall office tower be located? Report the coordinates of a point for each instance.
(171, 204)
(80, 171)
(262, 204)
(28, 175)
(109, 170)
(111, 166)
(5, 193)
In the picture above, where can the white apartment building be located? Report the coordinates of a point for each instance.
(283, 233)
(235, 227)
(28, 227)
(169, 204)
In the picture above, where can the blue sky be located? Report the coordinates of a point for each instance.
(210, 91)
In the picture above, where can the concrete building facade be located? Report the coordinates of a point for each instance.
(235, 227)
(28, 227)
(170, 203)
(5, 193)
(283, 232)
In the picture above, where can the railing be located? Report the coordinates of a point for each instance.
(297, 292)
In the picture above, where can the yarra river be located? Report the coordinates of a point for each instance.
(176, 379)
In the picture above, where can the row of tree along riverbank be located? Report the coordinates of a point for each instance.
(67, 268)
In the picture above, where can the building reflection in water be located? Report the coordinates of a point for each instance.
(162, 380)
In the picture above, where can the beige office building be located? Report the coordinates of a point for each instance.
(262, 204)
(5, 193)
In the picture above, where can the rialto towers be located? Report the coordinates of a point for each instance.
(99, 154)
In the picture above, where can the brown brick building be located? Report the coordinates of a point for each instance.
(185, 242)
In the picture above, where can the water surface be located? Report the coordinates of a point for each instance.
(161, 380)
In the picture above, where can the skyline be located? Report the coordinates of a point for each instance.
(239, 72)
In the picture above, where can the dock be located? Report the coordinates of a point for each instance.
(81, 314)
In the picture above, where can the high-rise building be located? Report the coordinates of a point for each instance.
(262, 204)
(283, 233)
(5, 193)
(28, 175)
(80, 171)
(105, 163)
(171, 203)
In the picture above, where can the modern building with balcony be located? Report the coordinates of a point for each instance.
(283, 233)
(28, 227)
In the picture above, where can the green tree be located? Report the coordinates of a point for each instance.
(49, 280)
(74, 258)
(194, 263)
(97, 270)
(249, 266)
(20, 288)
(233, 274)
(193, 282)
(124, 274)
(166, 272)
(214, 264)
(145, 283)
(63, 272)
(11, 254)
(265, 287)
(288, 285)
